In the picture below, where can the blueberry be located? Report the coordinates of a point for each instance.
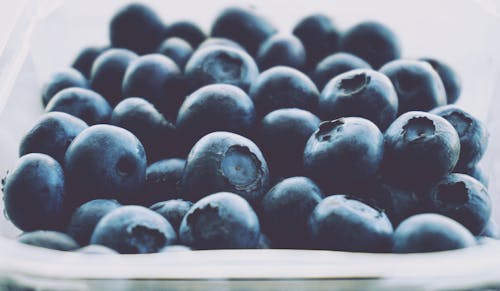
(83, 62)
(85, 218)
(371, 41)
(283, 87)
(221, 64)
(186, 30)
(61, 80)
(342, 223)
(162, 179)
(134, 230)
(282, 136)
(34, 193)
(107, 73)
(49, 239)
(430, 232)
(157, 79)
(245, 26)
(224, 161)
(82, 103)
(450, 78)
(104, 161)
(220, 41)
(157, 134)
(344, 153)
(173, 211)
(478, 173)
(177, 49)
(364, 93)
(285, 212)
(491, 230)
(96, 250)
(473, 135)
(218, 107)
(220, 221)
(175, 248)
(418, 86)
(281, 50)
(138, 28)
(420, 148)
(51, 135)
(334, 65)
(319, 37)
(461, 198)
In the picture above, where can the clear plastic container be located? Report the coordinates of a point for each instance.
(45, 35)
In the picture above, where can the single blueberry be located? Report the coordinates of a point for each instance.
(334, 65)
(162, 181)
(363, 93)
(283, 87)
(220, 221)
(85, 218)
(224, 161)
(61, 80)
(420, 148)
(450, 78)
(430, 232)
(461, 198)
(285, 212)
(84, 60)
(82, 103)
(96, 250)
(187, 30)
(371, 41)
(134, 230)
(477, 172)
(418, 86)
(51, 135)
(138, 28)
(342, 223)
(104, 161)
(34, 193)
(473, 135)
(177, 49)
(281, 50)
(49, 239)
(173, 211)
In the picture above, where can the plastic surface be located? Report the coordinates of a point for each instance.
(47, 35)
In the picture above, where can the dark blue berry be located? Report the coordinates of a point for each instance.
(451, 80)
(177, 49)
(61, 80)
(186, 30)
(84, 60)
(49, 239)
(162, 181)
(173, 211)
(334, 65)
(281, 50)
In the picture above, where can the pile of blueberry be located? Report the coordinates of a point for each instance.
(170, 140)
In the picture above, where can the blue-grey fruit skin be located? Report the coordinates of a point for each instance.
(224, 161)
(220, 221)
(342, 223)
(85, 104)
(177, 49)
(173, 210)
(430, 232)
(285, 211)
(157, 79)
(158, 136)
(96, 250)
(371, 41)
(282, 136)
(418, 86)
(363, 93)
(479, 173)
(217, 107)
(319, 36)
(162, 181)
(85, 218)
(108, 70)
(220, 41)
(34, 193)
(283, 87)
(344, 154)
(187, 30)
(104, 161)
(474, 135)
(63, 79)
(461, 198)
(85, 59)
(51, 135)
(420, 148)
(334, 65)
(281, 50)
(245, 26)
(491, 230)
(134, 230)
(451, 80)
(136, 27)
(49, 239)
(221, 64)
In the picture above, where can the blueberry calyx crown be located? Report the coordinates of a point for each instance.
(418, 128)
